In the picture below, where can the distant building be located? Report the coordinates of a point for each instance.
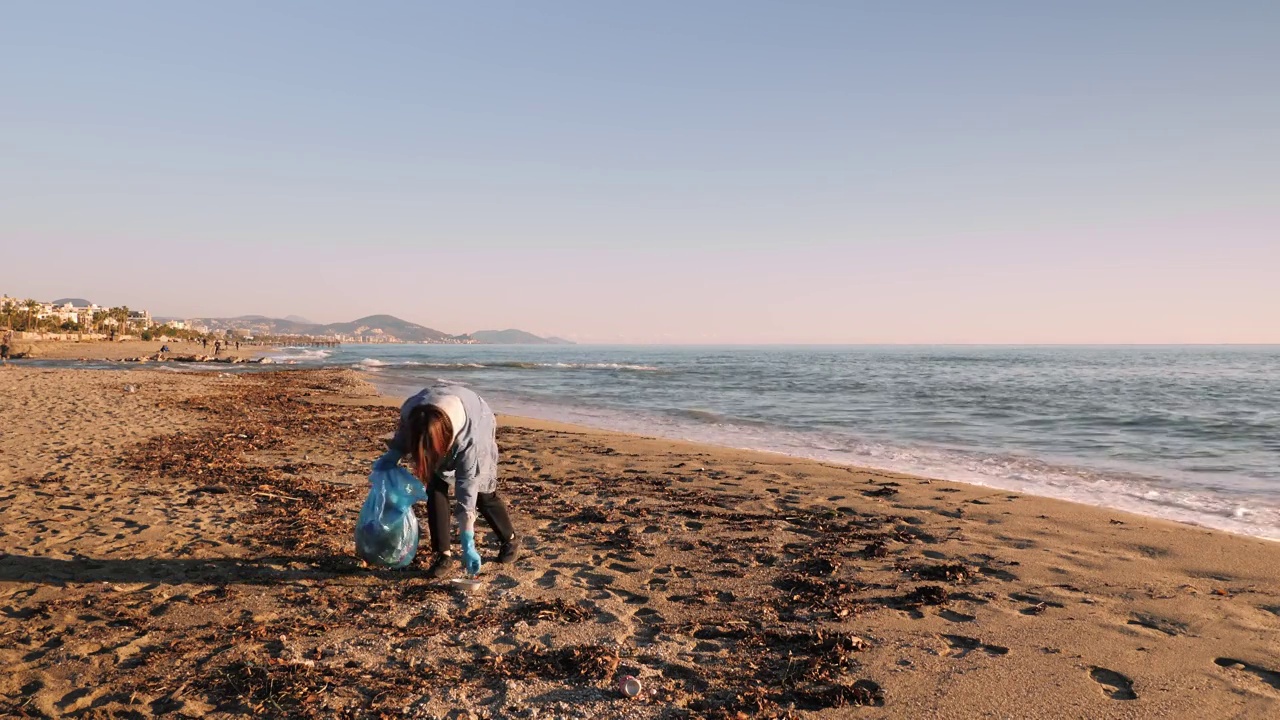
(85, 315)
(68, 312)
(141, 318)
(58, 313)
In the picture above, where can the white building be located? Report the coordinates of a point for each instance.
(69, 313)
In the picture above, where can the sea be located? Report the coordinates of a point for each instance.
(1186, 433)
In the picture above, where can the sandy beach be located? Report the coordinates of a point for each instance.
(185, 548)
(126, 349)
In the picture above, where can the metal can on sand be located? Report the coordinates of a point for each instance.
(629, 686)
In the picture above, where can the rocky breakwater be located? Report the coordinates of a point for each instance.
(230, 360)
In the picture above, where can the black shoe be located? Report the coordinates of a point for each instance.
(509, 552)
(442, 566)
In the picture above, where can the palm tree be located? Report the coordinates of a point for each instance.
(32, 306)
(98, 317)
(8, 309)
(124, 319)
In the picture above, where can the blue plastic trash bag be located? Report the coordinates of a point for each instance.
(387, 530)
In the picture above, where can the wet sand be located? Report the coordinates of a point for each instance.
(186, 549)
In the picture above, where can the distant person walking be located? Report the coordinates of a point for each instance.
(217, 348)
(6, 342)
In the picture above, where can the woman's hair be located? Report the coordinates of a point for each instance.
(430, 435)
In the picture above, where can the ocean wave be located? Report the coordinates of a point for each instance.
(507, 365)
(1248, 513)
(1244, 513)
(714, 418)
(608, 366)
(515, 365)
(298, 353)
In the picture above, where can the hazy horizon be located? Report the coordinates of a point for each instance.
(716, 173)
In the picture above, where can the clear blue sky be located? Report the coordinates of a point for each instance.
(655, 171)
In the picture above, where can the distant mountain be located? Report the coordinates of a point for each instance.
(299, 319)
(263, 325)
(514, 337)
(78, 302)
(372, 328)
(402, 329)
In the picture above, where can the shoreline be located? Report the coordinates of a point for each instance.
(1070, 491)
(1127, 504)
(1142, 500)
(186, 548)
(132, 351)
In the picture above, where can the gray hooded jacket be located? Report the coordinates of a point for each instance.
(473, 457)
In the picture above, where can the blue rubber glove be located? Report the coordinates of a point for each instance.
(387, 462)
(470, 558)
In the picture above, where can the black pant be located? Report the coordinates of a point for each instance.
(490, 506)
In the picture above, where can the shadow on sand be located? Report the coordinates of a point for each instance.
(176, 571)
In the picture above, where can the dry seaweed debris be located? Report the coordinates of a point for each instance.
(590, 662)
(928, 595)
(952, 572)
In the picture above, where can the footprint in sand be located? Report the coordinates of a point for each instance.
(1116, 685)
(1036, 604)
(1269, 677)
(594, 579)
(505, 582)
(962, 645)
(40, 652)
(604, 617)
(1172, 628)
(80, 699)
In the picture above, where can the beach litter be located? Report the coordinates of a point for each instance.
(630, 686)
(466, 584)
(387, 529)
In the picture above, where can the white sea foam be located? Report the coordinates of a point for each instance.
(1256, 515)
(296, 354)
(508, 365)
